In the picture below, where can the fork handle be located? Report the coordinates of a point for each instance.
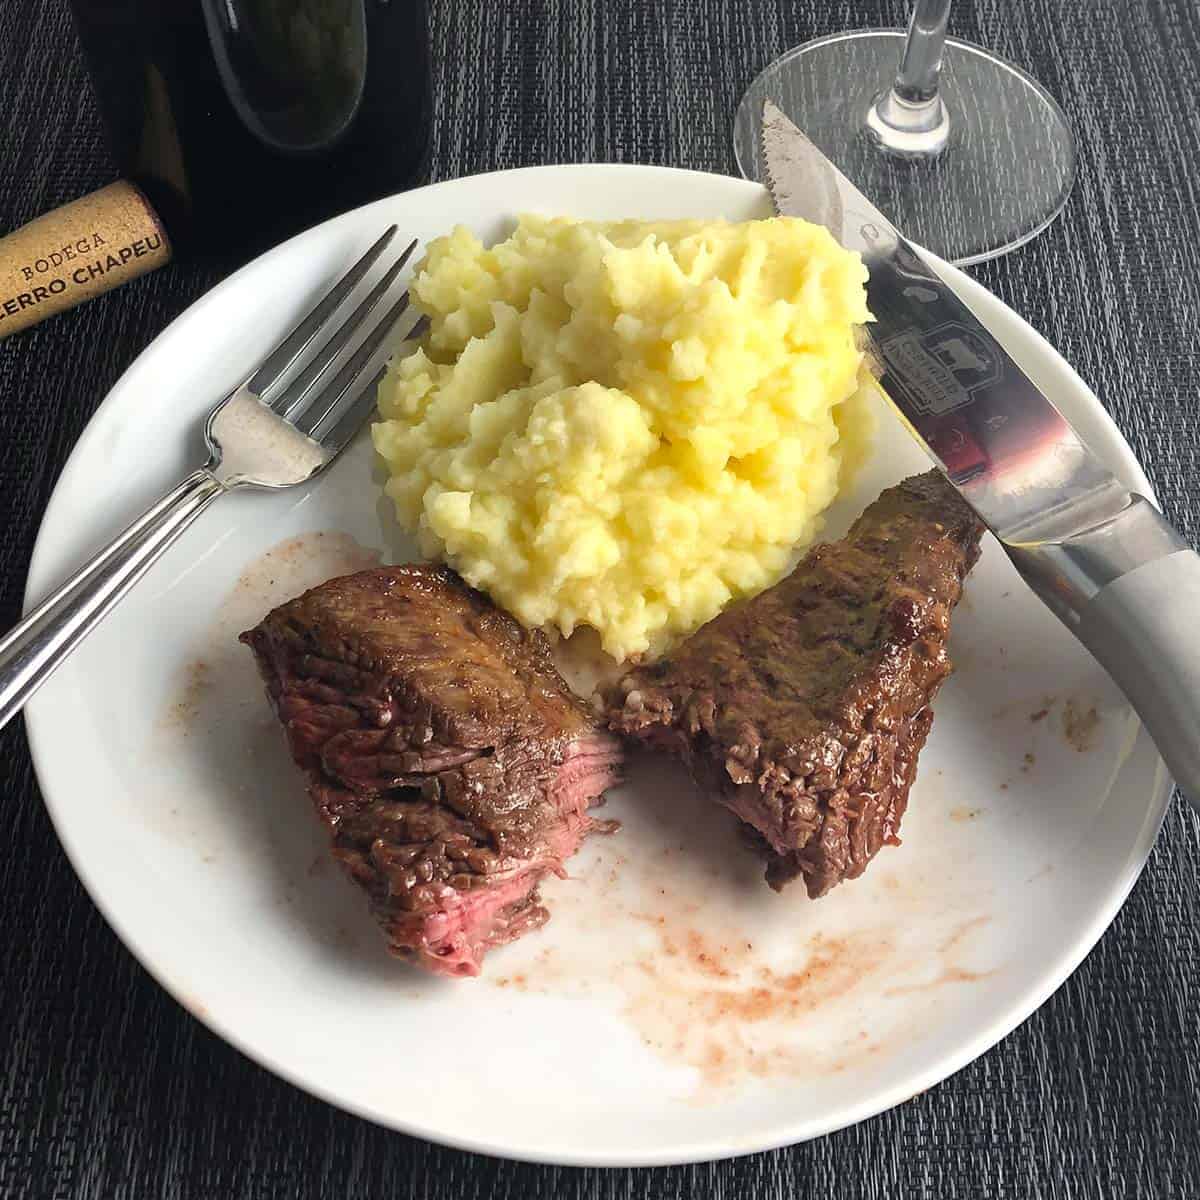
(33, 650)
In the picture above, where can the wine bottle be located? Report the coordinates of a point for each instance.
(234, 124)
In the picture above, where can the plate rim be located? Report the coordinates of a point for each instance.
(40, 734)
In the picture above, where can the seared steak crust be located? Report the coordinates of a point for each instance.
(445, 754)
(805, 708)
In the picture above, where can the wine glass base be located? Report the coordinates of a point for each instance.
(1005, 170)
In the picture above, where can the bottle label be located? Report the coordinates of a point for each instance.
(76, 252)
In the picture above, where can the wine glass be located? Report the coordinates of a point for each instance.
(969, 156)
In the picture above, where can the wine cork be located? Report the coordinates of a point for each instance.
(76, 252)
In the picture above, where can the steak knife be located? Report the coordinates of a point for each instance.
(1103, 558)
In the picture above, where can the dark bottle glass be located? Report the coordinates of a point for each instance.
(245, 121)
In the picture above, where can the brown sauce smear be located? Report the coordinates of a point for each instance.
(704, 994)
(1080, 725)
(698, 988)
(197, 685)
(283, 571)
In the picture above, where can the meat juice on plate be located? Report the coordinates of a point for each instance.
(216, 730)
(669, 925)
(665, 932)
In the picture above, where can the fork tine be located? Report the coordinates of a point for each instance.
(326, 406)
(355, 414)
(292, 346)
(352, 415)
(293, 396)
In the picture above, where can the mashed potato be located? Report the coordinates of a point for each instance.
(626, 425)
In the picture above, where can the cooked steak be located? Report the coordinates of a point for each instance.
(805, 708)
(446, 756)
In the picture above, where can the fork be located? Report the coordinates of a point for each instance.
(265, 434)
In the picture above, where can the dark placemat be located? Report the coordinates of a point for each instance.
(108, 1089)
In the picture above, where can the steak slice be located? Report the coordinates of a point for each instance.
(806, 707)
(447, 758)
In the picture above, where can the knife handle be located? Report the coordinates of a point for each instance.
(1144, 628)
(1129, 589)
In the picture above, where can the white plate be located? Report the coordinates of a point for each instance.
(674, 1008)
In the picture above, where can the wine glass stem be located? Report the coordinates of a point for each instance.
(909, 119)
(917, 80)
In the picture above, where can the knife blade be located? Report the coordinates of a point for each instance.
(1012, 454)
(1102, 558)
